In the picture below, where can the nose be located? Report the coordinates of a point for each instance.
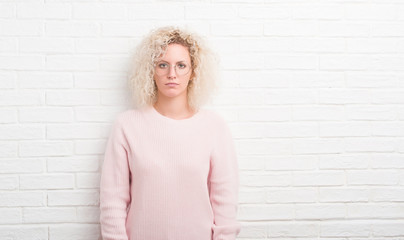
(172, 72)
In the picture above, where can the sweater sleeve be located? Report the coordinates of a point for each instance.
(224, 182)
(115, 186)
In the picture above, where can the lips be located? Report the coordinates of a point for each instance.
(171, 84)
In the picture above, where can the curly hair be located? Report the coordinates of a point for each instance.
(203, 81)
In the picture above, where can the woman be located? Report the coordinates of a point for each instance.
(170, 170)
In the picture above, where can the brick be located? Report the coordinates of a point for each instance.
(253, 230)
(73, 198)
(298, 62)
(162, 11)
(88, 214)
(72, 63)
(382, 29)
(278, 113)
(77, 231)
(366, 11)
(275, 179)
(251, 79)
(273, 147)
(345, 161)
(22, 62)
(387, 194)
(389, 229)
(317, 112)
(8, 149)
(239, 29)
(48, 148)
(388, 96)
(9, 182)
(370, 112)
(266, 212)
(320, 211)
(8, 45)
(22, 199)
(295, 229)
(21, 97)
(24, 232)
(318, 45)
(329, 194)
(73, 164)
(7, 10)
(71, 29)
(345, 129)
(110, 11)
(302, 79)
(386, 161)
(49, 215)
(90, 147)
(288, 163)
(76, 131)
(8, 115)
(265, 12)
(10, 216)
(344, 29)
(340, 229)
(72, 97)
(43, 11)
(46, 45)
(209, 12)
(19, 132)
(371, 45)
(22, 165)
(319, 11)
(323, 178)
(96, 114)
(291, 96)
(99, 46)
(47, 181)
(252, 196)
(323, 145)
(292, 195)
(88, 180)
(290, 28)
(370, 79)
(46, 114)
(20, 28)
(344, 96)
(372, 177)
(8, 80)
(41, 80)
(99, 80)
(344, 62)
(369, 144)
(374, 211)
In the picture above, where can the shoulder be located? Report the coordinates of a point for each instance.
(124, 117)
(216, 120)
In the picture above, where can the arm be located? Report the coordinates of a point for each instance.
(115, 186)
(224, 182)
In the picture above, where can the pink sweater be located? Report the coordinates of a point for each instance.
(167, 179)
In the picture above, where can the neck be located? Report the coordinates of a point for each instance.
(174, 108)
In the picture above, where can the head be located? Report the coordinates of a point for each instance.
(199, 83)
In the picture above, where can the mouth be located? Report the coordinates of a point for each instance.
(171, 84)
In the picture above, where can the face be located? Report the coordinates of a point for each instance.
(170, 69)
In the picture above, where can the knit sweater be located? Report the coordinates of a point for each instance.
(169, 179)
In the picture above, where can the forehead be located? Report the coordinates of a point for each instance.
(177, 52)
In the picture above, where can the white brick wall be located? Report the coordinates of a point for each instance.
(313, 92)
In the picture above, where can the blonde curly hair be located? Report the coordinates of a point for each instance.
(203, 81)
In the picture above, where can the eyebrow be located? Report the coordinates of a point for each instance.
(182, 61)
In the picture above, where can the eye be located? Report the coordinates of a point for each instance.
(181, 65)
(162, 65)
